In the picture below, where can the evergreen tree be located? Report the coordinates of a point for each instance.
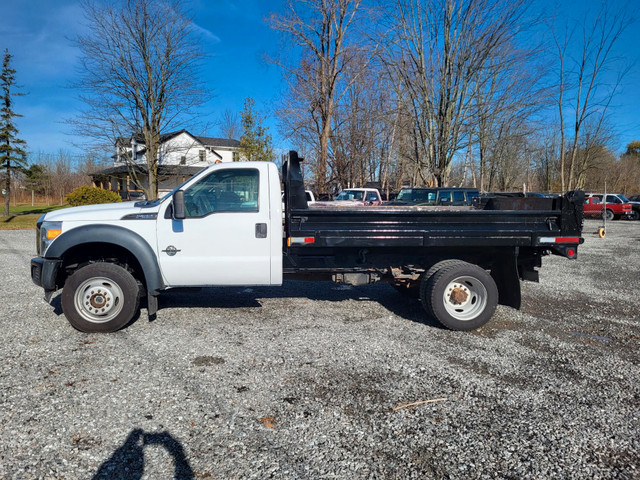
(255, 143)
(633, 148)
(37, 177)
(12, 152)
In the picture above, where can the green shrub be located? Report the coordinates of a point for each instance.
(87, 195)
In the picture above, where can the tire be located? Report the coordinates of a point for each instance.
(635, 215)
(412, 289)
(607, 215)
(475, 289)
(100, 297)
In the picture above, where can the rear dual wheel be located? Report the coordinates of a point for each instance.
(460, 295)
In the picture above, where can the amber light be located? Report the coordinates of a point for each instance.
(51, 234)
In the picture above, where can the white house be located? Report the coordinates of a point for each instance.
(179, 148)
(180, 156)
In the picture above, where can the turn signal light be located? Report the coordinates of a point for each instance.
(51, 234)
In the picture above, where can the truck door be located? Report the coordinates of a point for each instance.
(227, 235)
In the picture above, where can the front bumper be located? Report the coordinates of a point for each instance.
(44, 272)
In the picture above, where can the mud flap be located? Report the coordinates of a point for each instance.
(152, 306)
(505, 274)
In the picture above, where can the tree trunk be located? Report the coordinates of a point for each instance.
(8, 189)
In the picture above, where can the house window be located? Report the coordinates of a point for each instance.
(203, 155)
(183, 160)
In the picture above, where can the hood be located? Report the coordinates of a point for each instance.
(100, 212)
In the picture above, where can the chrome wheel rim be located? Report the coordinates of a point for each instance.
(465, 298)
(99, 299)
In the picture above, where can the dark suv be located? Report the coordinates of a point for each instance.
(435, 196)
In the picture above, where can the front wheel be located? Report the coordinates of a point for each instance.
(635, 215)
(100, 297)
(461, 296)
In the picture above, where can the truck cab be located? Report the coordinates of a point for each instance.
(228, 232)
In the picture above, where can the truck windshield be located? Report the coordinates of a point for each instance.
(350, 195)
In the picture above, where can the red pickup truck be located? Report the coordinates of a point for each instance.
(613, 209)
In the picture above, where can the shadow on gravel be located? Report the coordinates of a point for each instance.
(248, 297)
(128, 460)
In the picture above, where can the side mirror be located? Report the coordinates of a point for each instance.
(179, 210)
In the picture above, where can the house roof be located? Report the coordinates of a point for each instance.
(218, 142)
(207, 141)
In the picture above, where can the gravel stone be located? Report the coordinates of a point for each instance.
(305, 381)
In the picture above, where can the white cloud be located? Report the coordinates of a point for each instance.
(207, 35)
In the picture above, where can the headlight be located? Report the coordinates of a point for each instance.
(48, 233)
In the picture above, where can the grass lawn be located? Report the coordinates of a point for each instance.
(18, 222)
(23, 217)
(37, 210)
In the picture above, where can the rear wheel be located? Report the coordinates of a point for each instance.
(635, 215)
(412, 288)
(100, 297)
(607, 215)
(461, 296)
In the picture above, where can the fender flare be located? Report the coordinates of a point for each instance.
(115, 235)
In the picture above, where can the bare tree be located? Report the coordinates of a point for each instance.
(321, 30)
(582, 80)
(441, 48)
(506, 94)
(139, 65)
(230, 126)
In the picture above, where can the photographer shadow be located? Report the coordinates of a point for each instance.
(127, 462)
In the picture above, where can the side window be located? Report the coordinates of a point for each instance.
(230, 190)
(372, 197)
(445, 196)
(458, 196)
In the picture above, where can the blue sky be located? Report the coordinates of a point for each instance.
(37, 34)
(235, 37)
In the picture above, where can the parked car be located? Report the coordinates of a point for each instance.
(635, 205)
(135, 195)
(435, 196)
(355, 197)
(614, 207)
(311, 198)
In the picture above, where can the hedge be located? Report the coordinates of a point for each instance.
(87, 195)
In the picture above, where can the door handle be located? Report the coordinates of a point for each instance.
(261, 230)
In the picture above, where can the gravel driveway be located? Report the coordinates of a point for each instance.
(311, 380)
